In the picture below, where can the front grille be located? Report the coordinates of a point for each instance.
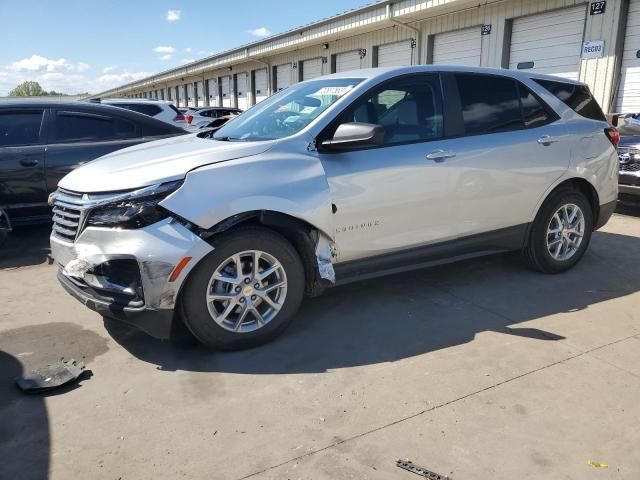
(71, 209)
(630, 167)
(68, 214)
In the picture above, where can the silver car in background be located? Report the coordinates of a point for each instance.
(159, 109)
(335, 179)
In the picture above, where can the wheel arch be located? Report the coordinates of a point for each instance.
(577, 184)
(302, 235)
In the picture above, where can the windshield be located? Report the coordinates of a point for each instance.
(286, 112)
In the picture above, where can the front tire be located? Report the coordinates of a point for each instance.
(246, 291)
(560, 233)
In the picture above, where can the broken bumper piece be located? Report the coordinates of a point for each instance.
(125, 274)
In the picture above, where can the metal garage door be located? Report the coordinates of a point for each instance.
(462, 47)
(283, 76)
(549, 42)
(200, 93)
(629, 90)
(181, 102)
(348, 61)
(394, 54)
(212, 93)
(190, 95)
(242, 102)
(311, 69)
(260, 87)
(226, 91)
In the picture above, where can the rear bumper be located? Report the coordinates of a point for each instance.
(605, 213)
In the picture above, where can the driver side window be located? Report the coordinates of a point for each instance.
(409, 109)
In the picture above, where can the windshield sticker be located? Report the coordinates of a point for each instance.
(339, 91)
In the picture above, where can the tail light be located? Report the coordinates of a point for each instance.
(179, 118)
(613, 135)
(189, 119)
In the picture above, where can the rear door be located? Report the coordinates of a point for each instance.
(509, 151)
(22, 157)
(80, 136)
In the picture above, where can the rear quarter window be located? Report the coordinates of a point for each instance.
(577, 97)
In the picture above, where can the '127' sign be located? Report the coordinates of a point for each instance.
(597, 8)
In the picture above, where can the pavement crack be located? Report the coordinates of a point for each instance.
(434, 408)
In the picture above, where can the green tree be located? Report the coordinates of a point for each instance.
(27, 89)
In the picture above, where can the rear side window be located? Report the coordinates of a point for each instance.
(144, 108)
(85, 127)
(20, 127)
(534, 112)
(493, 104)
(489, 104)
(577, 97)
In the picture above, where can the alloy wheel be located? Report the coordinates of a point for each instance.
(246, 291)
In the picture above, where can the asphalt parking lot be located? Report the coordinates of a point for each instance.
(475, 370)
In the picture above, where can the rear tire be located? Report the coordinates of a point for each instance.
(229, 303)
(560, 233)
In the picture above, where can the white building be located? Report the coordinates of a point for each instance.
(597, 42)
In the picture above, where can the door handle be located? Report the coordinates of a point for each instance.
(440, 155)
(548, 140)
(29, 162)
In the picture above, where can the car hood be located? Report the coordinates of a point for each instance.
(155, 162)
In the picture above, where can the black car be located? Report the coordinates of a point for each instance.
(629, 156)
(40, 142)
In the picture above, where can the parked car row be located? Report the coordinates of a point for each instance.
(202, 117)
(159, 109)
(335, 179)
(41, 142)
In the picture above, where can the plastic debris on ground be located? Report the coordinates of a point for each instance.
(52, 376)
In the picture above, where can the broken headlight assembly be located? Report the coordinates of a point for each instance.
(135, 210)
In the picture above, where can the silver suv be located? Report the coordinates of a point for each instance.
(344, 177)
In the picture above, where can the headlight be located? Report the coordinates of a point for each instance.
(134, 210)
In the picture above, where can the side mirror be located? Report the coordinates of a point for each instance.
(355, 134)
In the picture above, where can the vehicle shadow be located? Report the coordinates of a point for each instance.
(26, 246)
(24, 427)
(410, 314)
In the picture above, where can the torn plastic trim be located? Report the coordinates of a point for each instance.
(325, 254)
(86, 270)
(324, 247)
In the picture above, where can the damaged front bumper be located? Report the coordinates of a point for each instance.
(130, 275)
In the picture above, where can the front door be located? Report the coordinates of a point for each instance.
(399, 195)
(22, 155)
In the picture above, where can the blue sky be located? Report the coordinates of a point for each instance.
(74, 46)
